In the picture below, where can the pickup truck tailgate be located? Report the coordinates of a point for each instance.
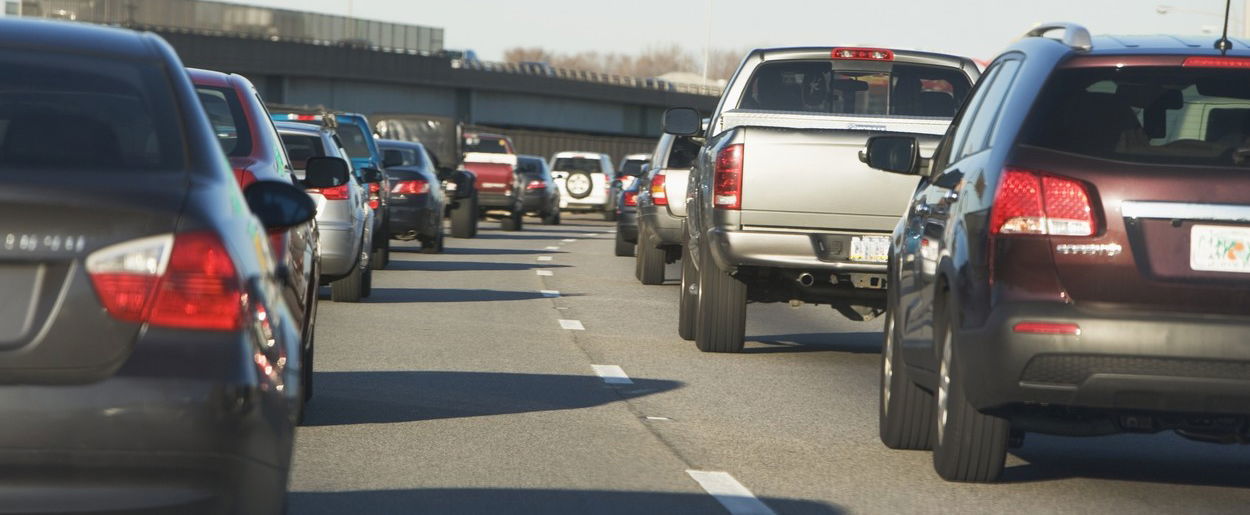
(814, 179)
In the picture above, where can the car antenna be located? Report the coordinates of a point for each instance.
(1223, 44)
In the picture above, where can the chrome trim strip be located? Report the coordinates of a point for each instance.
(1185, 211)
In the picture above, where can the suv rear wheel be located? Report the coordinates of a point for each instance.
(905, 411)
(969, 446)
(722, 311)
(515, 219)
(650, 258)
(688, 297)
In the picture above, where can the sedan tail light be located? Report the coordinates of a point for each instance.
(1029, 202)
(375, 199)
(535, 185)
(185, 281)
(727, 182)
(336, 193)
(659, 189)
(412, 187)
(631, 198)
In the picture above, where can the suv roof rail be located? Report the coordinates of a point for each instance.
(1075, 36)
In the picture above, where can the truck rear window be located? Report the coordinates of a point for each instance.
(835, 87)
(355, 141)
(1157, 114)
(485, 145)
(67, 111)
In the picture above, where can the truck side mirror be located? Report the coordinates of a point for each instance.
(682, 121)
(895, 154)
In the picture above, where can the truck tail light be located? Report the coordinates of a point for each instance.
(659, 189)
(727, 179)
(631, 198)
(863, 54)
(185, 281)
(336, 193)
(413, 187)
(1029, 202)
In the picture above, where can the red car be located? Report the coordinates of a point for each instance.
(251, 143)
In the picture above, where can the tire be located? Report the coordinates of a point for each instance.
(350, 288)
(579, 185)
(609, 214)
(650, 259)
(623, 248)
(307, 373)
(722, 312)
(514, 221)
(434, 245)
(464, 218)
(366, 283)
(637, 256)
(381, 256)
(968, 446)
(688, 298)
(905, 410)
(552, 217)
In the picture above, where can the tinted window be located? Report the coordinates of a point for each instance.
(577, 164)
(63, 111)
(488, 145)
(531, 167)
(632, 166)
(225, 114)
(301, 147)
(1190, 116)
(354, 140)
(958, 131)
(836, 88)
(988, 109)
(393, 155)
(683, 153)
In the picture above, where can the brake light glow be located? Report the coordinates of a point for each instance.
(374, 198)
(727, 180)
(535, 185)
(863, 54)
(631, 198)
(336, 193)
(185, 281)
(303, 117)
(1047, 328)
(659, 189)
(244, 177)
(413, 187)
(1029, 202)
(373, 204)
(277, 243)
(1216, 62)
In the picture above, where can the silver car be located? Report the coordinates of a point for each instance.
(343, 213)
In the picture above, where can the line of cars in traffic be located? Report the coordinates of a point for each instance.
(1073, 255)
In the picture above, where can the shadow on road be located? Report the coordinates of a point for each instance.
(496, 252)
(1160, 458)
(500, 500)
(858, 343)
(463, 266)
(385, 397)
(401, 295)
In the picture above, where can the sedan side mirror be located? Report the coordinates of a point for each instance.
(895, 154)
(682, 121)
(372, 175)
(326, 172)
(278, 204)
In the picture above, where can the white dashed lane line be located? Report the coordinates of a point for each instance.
(544, 258)
(612, 374)
(572, 325)
(568, 240)
(553, 247)
(551, 294)
(545, 273)
(736, 499)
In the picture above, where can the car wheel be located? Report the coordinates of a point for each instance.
(433, 245)
(366, 283)
(350, 288)
(688, 297)
(579, 184)
(381, 256)
(637, 256)
(969, 446)
(464, 218)
(905, 410)
(623, 248)
(307, 373)
(514, 221)
(650, 259)
(551, 217)
(722, 311)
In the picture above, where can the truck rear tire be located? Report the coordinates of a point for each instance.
(464, 218)
(969, 446)
(350, 288)
(687, 300)
(623, 248)
(722, 311)
(650, 259)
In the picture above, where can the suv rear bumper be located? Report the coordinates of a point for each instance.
(777, 249)
(1147, 362)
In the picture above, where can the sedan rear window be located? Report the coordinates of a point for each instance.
(1157, 114)
(835, 87)
(632, 166)
(530, 167)
(67, 111)
(577, 164)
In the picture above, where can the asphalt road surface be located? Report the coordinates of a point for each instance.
(473, 382)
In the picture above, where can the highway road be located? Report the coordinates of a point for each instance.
(483, 380)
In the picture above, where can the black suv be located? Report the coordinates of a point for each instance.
(1076, 258)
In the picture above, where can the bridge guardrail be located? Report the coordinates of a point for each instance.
(544, 69)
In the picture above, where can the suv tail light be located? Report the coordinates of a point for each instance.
(185, 281)
(413, 187)
(727, 182)
(336, 193)
(631, 198)
(863, 54)
(1030, 202)
(659, 189)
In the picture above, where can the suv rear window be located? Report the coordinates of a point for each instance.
(1158, 115)
(632, 166)
(835, 87)
(577, 164)
(225, 114)
(66, 111)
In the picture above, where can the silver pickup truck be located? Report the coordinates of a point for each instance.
(779, 206)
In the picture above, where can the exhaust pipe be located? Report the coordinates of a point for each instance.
(806, 280)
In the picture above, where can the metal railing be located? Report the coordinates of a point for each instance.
(543, 69)
(227, 19)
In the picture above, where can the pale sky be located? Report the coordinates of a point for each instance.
(976, 28)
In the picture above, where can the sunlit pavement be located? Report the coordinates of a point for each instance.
(529, 372)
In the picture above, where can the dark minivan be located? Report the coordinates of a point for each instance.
(1076, 259)
(148, 358)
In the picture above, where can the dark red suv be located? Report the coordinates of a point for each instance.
(1076, 258)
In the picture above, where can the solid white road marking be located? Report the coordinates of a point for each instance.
(659, 418)
(551, 294)
(546, 273)
(572, 325)
(569, 240)
(612, 374)
(553, 247)
(544, 258)
(730, 493)
(591, 235)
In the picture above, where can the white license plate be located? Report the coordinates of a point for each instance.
(1215, 248)
(873, 249)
